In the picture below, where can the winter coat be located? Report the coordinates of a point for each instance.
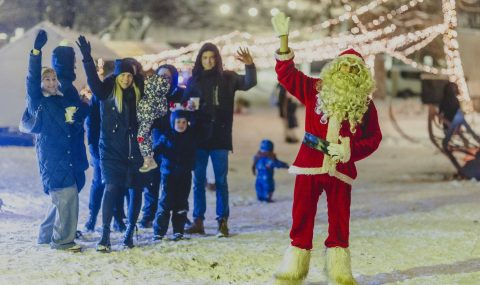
(163, 123)
(216, 93)
(359, 145)
(264, 165)
(93, 127)
(175, 151)
(119, 152)
(59, 145)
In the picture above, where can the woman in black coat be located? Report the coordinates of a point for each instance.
(120, 156)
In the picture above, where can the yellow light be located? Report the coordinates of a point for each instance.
(225, 9)
(253, 12)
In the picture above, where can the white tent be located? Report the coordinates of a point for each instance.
(14, 62)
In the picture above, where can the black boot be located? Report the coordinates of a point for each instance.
(128, 238)
(90, 224)
(104, 243)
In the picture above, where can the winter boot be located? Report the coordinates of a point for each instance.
(294, 267)
(90, 224)
(128, 238)
(119, 225)
(148, 164)
(104, 243)
(196, 227)
(338, 268)
(222, 228)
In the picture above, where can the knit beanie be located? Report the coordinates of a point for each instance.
(121, 66)
(63, 61)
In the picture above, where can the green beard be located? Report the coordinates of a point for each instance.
(344, 95)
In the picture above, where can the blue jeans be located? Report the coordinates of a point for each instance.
(151, 193)
(96, 190)
(220, 167)
(60, 223)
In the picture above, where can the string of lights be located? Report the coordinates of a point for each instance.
(368, 42)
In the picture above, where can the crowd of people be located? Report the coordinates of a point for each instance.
(145, 132)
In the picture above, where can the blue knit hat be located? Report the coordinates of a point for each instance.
(266, 145)
(121, 66)
(177, 114)
(63, 61)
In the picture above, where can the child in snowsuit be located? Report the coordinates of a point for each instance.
(263, 166)
(58, 127)
(152, 106)
(175, 149)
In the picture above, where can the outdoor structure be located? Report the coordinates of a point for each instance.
(14, 57)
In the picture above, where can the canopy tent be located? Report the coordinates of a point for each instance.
(14, 63)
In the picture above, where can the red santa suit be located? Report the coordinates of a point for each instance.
(317, 172)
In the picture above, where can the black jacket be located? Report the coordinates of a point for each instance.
(216, 93)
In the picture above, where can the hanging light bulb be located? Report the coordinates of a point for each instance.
(253, 12)
(274, 11)
(225, 9)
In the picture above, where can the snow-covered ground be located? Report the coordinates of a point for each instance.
(410, 224)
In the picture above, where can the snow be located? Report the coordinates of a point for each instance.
(410, 224)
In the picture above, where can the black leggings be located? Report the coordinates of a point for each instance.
(111, 198)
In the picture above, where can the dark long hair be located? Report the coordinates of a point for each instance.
(198, 67)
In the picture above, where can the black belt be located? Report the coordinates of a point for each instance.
(315, 142)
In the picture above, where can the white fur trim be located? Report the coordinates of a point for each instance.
(345, 142)
(283, 57)
(295, 264)
(319, 170)
(338, 266)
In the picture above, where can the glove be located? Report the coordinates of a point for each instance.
(340, 152)
(85, 48)
(40, 40)
(280, 24)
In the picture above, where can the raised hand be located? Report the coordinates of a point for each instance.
(85, 48)
(40, 40)
(280, 24)
(243, 54)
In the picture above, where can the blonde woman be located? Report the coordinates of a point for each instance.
(120, 157)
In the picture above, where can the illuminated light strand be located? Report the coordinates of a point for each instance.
(390, 15)
(327, 23)
(452, 55)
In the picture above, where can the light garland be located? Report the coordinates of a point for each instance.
(368, 42)
(450, 47)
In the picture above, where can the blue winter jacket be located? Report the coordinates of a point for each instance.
(60, 146)
(264, 166)
(176, 151)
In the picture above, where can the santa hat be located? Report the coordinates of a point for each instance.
(351, 52)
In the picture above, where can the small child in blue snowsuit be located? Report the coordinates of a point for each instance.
(175, 150)
(263, 166)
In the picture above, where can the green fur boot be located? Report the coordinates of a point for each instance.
(338, 267)
(294, 267)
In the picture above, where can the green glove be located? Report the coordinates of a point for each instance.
(280, 24)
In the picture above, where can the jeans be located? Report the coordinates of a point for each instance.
(113, 194)
(60, 223)
(151, 193)
(220, 167)
(96, 190)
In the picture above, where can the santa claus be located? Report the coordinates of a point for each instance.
(341, 128)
